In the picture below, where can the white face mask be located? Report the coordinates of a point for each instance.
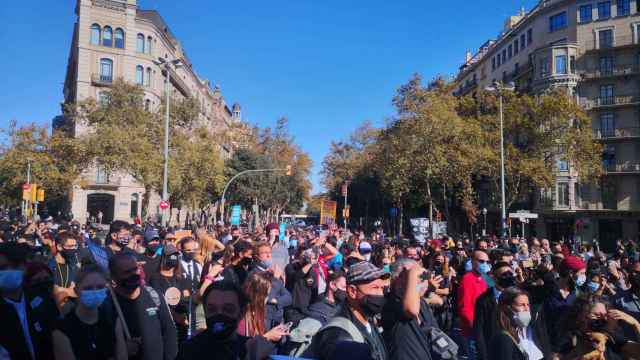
(367, 257)
(522, 318)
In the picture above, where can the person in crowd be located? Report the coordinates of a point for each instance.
(515, 338)
(406, 317)
(629, 300)
(333, 298)
(280, 253)
(239, 263)
(210, 246)
(592, 329)
(90, 331)
(64, 266)
(224, 306)
(212, 271)
(26, 320)
(38, 286)
(353, 327)
(472, 285)
(191, 270)
(150, 332)
(485, 320)
(572, 275)
(279, 297)
(255, 321)
(136, 243)
(118, 238)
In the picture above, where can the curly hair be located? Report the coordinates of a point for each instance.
(576, 317)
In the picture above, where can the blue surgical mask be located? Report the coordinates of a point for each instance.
(581, 279)
(387, 268)
(293, 243)
(266, 264)
(10, 279)
(468, 266)
(484, 268)
(593, 286)
(93, 298)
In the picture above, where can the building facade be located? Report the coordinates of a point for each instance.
(115, 39)
(591, 48)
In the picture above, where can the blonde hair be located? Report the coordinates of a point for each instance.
(208, 245)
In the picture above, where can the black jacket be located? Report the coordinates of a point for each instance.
(203, 346)
(405, 338)
(503, 347)
(485, 324)
(41, 317)
(331, 343)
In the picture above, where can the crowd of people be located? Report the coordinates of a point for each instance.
(318, 292)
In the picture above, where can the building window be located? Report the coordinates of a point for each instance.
(523, 44)
(103, 98)
(510, 51)
(606, 65)
(605, 38)
(544, 67)
(561, 64)
(133, 213)
(147, 105)
(623, 7)
(606, 94)
(147, 48)
(119, 38)
(586, 13)
(493, 63)
(572, 64)
(139, 75)
(529, 36)
(95, 34)
(504, 56)
(558, 21)
(516, 48)
(563, 194)
(604, 10)
(102, 176)
(607, 125)
(107, 37)
(147, 78)
(106, 70)
(140, 43)
(562, 164)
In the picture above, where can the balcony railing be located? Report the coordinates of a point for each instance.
(632, 166)
(466, 87)
(615, 42)
(618, 70)
(617, 133)
(610, 101)
(102, 80)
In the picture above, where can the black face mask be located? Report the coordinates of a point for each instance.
(170, 263)
(506, 281)
(41, 288)
(340, 296)
(129, 284)
(188, 256)
(246, 261)
(597, 324)
(221, 326)
(70, 256)
(373, 304)
(152, 248)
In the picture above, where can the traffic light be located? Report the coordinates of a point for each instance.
(40, 195)
(34, 192)
(288, 168)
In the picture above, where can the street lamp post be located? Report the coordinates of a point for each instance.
(162, 62)
(484, 229)
(226, 187)
(499, 88)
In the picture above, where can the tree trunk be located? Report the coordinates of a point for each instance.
(401, 207)
(430, 201)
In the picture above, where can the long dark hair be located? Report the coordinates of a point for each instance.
(505, 312)
(256, 289)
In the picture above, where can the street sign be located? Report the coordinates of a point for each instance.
(235, 214)
(164, 204)
(523, 214)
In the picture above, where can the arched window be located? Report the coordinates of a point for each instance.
(95, 34)
(147, 105)
(147, 48)
(140, 43)
(107, 37)
(147, 79)
(139, 75)
(119, 38)
(106, 69)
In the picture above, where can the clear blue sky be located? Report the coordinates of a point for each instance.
(327, 65)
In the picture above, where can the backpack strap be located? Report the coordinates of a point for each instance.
(346, 325)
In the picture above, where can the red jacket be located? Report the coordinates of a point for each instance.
(471, 287)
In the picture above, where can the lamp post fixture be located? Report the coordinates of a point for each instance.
(484, 214)
(499, 89)
(167, 65)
